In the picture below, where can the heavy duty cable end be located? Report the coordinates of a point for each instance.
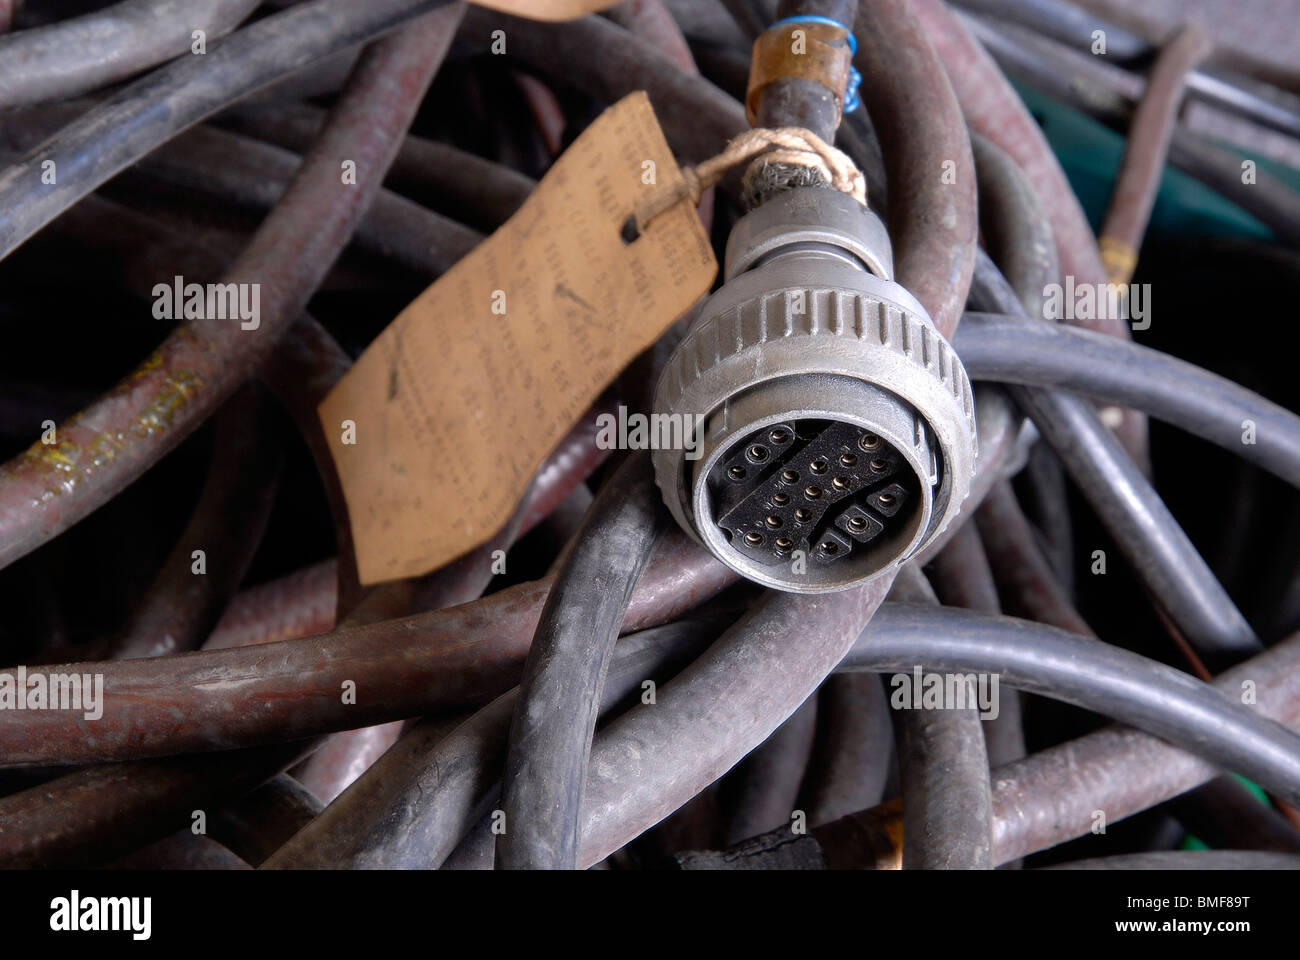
(839, 427)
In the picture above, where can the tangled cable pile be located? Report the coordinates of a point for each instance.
(169, 488)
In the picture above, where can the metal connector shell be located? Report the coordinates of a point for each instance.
(810, 331)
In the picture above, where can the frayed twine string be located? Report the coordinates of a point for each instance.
(785, 145)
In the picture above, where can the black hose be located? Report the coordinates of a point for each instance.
(963, 578)
(941, 754)
(1107, 94)
(255, 826)
(1045, 495)
(245, 172)
(697, 118)
(1007, 349)
(1126, 503)
(1087, 673)
(1140, 522)
(559, 698)
(153, 109)
(853, 755)
(81, 54)
(437, 175)
(427, 822)
(789, 101)
(1081, 671)
(943, 768)
(761, 792)
(1016, 231)
(415, 804)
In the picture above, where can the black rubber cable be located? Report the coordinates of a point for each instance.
(1006, 349)
(412, 814)
(697, 118)
(153, 109)
(943, 767)
(1104, 93)
(255, 826)
(1126, 503)
(1130, 509)
(963, 578)
(461, 185)
(761, 792)
(1087, 673)
(80, 54)
(247, 173)
(853, 755)
(550, 738)
(1143, 526)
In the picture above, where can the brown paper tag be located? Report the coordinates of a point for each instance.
(547, 9)
(458, 401)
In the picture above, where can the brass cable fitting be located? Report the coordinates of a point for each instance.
(811, 48)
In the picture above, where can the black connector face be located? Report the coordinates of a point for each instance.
(824, 488)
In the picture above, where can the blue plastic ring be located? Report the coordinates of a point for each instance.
(813, 18)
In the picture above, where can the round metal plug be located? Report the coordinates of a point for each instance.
(838, 425)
